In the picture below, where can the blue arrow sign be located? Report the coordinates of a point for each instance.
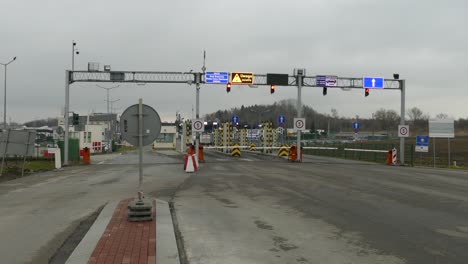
(281, 119)
(356, 125)
(373, 82)
(235, 119)
(217, 77)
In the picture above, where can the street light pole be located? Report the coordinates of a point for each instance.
(4, 95)
(73, 54)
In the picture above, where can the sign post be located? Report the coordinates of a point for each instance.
(140, 125)
(326, 80)
(373, 82)
(422, 144)
(216, 77)
(242, 78)
(356, 126)
(442, 128)
(403, 131)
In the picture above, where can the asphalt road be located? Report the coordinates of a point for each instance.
(254, 209)
(261, 209)
(39, 212)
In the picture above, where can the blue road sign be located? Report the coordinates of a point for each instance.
(217, 77)
(281, 119)
(321, 80)
(235, 119)
(373, 82)
(422, 144)
(356, 125)
(326, 80)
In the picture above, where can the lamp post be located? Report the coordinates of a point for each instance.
(74, 51)
(4, 95)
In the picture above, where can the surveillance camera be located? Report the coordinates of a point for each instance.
(396, 76)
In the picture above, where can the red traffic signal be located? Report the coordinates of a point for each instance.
(366, 92)
(228, 87)
(272, 89)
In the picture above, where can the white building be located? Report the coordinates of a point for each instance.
(93, 137)
(167, 137)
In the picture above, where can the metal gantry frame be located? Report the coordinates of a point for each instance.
(299, 80)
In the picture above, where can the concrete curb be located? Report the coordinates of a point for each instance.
(166, 246)
(83, 251)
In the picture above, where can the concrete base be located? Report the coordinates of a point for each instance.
(140, 210)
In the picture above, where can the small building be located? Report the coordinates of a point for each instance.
(167, 137)
(93, 137)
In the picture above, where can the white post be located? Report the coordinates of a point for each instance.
(140, 143)
(225, 137)
(197, 112)
(65, 115)
(402, 122)
(448, 139)
(434, 152)
(299, 112)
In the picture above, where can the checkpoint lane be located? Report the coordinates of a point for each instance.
(41, 210)
(324, 210)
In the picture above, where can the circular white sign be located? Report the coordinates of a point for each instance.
(299, 124)
(198, 125)
(403, 131)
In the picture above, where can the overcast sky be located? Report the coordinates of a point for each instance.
(425, 41)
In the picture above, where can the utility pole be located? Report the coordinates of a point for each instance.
(107, 91)
(109, 133)
(402, 121)
(197, 103)
(74, 51)
(300, 74)
(4, 96)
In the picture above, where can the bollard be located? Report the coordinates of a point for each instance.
(86, 156)
(200, 153)
(389, 157)
(292, 153)
(236, 152)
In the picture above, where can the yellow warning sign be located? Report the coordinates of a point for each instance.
(242, 78)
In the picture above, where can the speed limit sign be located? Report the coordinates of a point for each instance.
(198, 125)
(403, 131)
(299, 124)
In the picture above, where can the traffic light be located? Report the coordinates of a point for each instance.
(272, 89)
(76, 119)
(228, 87)
(324, 90)
(366, 92)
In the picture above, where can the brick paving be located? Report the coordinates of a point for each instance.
(125, 242)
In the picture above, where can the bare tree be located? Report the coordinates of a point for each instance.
(415, 114)
(387, 119)
(442, 116)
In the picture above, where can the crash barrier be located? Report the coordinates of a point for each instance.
(293, 153)
(190, 163)
(252, 147)
(283, 151)
(86, 156)
(201, 157)
(235, 151)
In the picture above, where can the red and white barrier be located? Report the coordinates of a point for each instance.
(394, 156)
(190, 163)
